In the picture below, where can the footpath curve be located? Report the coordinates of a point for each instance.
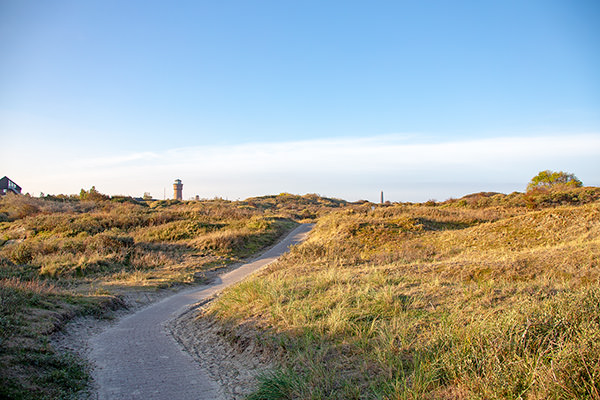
(138, 359)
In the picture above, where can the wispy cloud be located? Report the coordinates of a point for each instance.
(351, 168)
(357, 153)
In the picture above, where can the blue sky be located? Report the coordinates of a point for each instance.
(427, 99)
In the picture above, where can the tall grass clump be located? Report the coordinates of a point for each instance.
(439, 302)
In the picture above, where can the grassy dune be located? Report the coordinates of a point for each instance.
(63, 258)
(107, 242)
(454, 301)
(488, 296)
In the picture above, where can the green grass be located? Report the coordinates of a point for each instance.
(414, 301)
(31, 310)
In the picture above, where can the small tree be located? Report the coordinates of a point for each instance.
(548, 179)
(92, 195)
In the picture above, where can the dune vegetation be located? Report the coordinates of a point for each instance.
(486, 297)
(63, 256)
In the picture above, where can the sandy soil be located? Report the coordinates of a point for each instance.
(233, 364)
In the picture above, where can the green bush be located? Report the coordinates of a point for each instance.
(548, 179)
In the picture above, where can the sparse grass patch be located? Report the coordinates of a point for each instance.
(30, 310)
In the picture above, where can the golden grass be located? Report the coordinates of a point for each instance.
(481, 297)
(78, 241)
(59, 259)
(408, 302)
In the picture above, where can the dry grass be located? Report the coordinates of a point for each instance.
(411, 302)
(56, 256)
(93, 241)
(489, 296)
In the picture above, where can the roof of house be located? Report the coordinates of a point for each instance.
(4, 183)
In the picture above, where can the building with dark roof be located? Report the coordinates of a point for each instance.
(8, 186)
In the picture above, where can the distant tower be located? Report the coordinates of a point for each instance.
(382, 197)
(178, 190)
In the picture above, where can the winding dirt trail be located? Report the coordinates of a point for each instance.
(138, 359)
